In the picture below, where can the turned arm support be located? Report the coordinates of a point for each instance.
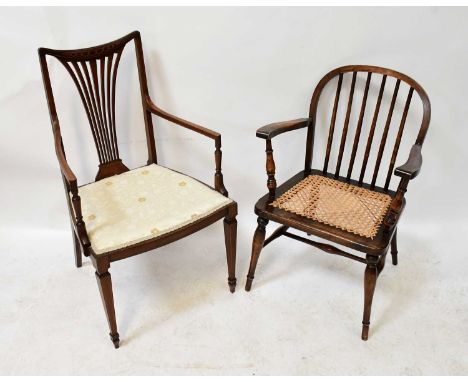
(406, 172)
(268, 132)
(218, 179)
(71, 186)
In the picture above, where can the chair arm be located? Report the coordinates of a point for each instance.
(274, 129)
(71, 186)
(64, 167)
(218, 178)
(181, 122)
(412, 166)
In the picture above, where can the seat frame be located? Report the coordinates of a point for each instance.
(375, 249)
(99, 104)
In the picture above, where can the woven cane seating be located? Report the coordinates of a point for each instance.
(338, 204)
(353, 194)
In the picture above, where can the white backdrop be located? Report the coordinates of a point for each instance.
(231, 70)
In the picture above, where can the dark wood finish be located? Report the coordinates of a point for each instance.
(385, 134)
(77, 247)
(346, 125)
(375, 249)
(359, 127)
(370, 279)
(104, 282)
(333, 120)
(94, 73)
(270, 169)
(372, 129)
(274, 129)
(394, 249)
(230, 236)
(257, 245)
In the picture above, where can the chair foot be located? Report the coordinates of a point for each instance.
(365, 331)
(232, 282)
(394, 249)
(248, 284)
(257, 245)
(394, 258)
(115, 339)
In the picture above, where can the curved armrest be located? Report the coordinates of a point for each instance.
(218, 180)
(64, 167)
(181, 122)
(274, 129)
(412, 166)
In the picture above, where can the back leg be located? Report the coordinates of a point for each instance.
(77, 247)
(394, 249)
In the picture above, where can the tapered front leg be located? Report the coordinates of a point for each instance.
(77, 247)
(230, 237)
(370, 278)
(381, 264)
(257, 245)
(104, 282)
(394, 249)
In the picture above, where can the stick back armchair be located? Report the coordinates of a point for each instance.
(337, 204)
(127, 212)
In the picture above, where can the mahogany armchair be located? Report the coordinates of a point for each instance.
(127, 212)
(337, 206)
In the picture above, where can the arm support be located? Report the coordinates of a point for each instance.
(407, 172)
(268, 132)
(412, 166)
(274, 129)
(218, 179)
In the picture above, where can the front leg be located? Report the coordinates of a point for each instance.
(230, 237)
(104, 281)
(370, 278)
(257, 245)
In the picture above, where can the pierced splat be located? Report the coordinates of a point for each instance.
(94, 73)
(97, 92)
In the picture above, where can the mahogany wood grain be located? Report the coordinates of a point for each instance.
(94, 73)
(375, 248)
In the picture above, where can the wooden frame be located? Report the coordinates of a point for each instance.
(375, 249)
(86, 66)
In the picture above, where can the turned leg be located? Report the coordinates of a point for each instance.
(370, 278)
(230, 238)
(394, 249)
(77, 246)
(104, 282)
(257, 245)
(381, 264)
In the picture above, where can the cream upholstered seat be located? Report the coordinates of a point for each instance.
(142, 204)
